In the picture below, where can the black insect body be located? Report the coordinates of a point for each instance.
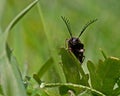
(74, 44)
(77, 48)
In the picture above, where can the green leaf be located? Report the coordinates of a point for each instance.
(37, 79)
(105, 75)
(93, 75)
(72, 68)
(45, 67)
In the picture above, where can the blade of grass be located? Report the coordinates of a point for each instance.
(19, 16)
(45, 67)
(10, 78)
(51, 47)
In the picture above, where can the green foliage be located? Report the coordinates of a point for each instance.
(45, 67)
(105, 75)
(70, 66)
(11, 80)
(63, 76)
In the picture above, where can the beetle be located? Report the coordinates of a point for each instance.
(74, 43)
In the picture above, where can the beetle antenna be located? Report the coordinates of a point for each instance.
(86, 25)
(67, 24)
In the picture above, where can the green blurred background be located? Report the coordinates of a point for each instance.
(41, 33)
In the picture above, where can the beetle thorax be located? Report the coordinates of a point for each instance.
(73, 41)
